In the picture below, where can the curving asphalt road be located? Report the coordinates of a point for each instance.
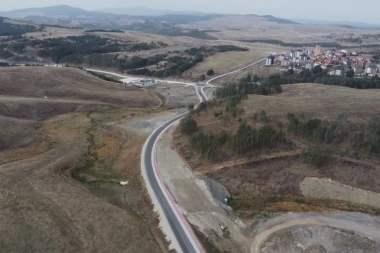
(181, 229)
(185, 237)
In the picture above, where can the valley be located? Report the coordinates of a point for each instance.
(177, 132)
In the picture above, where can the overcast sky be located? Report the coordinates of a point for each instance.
(335, 10)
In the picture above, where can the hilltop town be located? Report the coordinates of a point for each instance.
(335, 62)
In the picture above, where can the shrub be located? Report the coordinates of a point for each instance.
(189, 126)
(316, 156)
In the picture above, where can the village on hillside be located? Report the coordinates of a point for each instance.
(335, 62)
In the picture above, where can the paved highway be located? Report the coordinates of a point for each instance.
(184, 235)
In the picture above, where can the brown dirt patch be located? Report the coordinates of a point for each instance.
(273, 186)
(280, 177)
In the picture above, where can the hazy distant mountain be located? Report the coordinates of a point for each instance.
(342, 23)
(65, 12)
(59, 11)
(271, 18)
(145, 11)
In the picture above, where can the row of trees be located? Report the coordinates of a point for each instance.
(104, 77)
(74, 48)
(121, 63)
(8, 29)
(318, 75)
(316, 156)
(243, 88)
(248, 140)
(5, 54)
(174, 66)
(168, 29)
(209, 50)
(208, 144)
(367, 139)
(313, 129)
(245, 141)
(364, 140)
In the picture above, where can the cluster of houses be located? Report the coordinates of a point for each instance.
(336, 62)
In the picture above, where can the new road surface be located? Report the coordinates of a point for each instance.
(184, 235)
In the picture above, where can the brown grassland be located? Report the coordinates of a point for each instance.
(270, 183)
(61, 163)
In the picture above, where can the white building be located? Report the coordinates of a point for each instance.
(270, 60)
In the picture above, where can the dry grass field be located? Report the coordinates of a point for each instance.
(270, 183)
(47, 142)
(259, 69)
(317, 101)
(305, 100)
(240, 27)
(23, 92)
(223, 62)
(55, 32)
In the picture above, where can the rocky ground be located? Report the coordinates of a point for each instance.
(315, 239)
(313, 232)
(177, 95)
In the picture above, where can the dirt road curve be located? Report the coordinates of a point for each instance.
(364, 225)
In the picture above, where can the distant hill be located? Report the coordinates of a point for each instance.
(145, 11)
(59, 11)
(7, 28)
(346, 24)
(271, 18)
(181, 19)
